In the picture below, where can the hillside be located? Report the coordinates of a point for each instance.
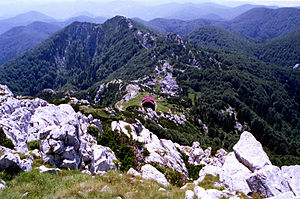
(22, 38)
(100, 62)
(181, 27)
(23, 20)
(219, 38)
(86, 107)
(264, 23)
(283, 50)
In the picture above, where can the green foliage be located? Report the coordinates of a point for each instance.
(174, 177)
(264, 23)
(145, 152)
(192, 169)
(4, 141)
(122, 146)
(33, 145)
(93, 130)
(282, 50)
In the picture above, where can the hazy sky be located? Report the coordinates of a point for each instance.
(264, 2)
(66, 8)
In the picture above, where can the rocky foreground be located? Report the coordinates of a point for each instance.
(65, 143)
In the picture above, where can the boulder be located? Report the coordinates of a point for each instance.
(285, 195)
(199, 192)
(44, 169)
(208, 169)
(189, 194)
(234, 174)
(2, 184)
(103, 159)
(11, 161)
(150, 172)
(250, 152)
(292, 176)
(134, 172)
(268, 181)
(164, 152)
(208, 194)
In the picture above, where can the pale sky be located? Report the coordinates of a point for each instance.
(260, 2)
(62, 9)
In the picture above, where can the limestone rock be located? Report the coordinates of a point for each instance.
(250, 152)
(189, 194)
(150, 172)
(234, 174)
(269, 181)
(292, 176)
(44, 169)
(103, 159)
(164, 152)
(134, 172)
(11, 161)
(2, 184)
(208, 169)
(285, 195)
(199, 192)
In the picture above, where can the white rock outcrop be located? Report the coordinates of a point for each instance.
(103, 159)
(44, 169)
(250, 152)
(268, 181)
(201, 193)
(285, 195)
(62, 133)
(150, 172)
(234, 174)
(208, 169)
(11, 161)
(164, 152)
(292, 176)
(134, 172)
(189, 194)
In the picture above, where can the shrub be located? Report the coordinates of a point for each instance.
(122, 146)
(174, 177)
(192, 169)
(4, 141)
(33, 145)
(93, 130)
(145, 152)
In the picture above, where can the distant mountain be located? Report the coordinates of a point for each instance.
(222, 39)
(78, 56)
(283, 50)
(165, 26)
(22, 38)
(81, 18)
(23, 19)
(264, 23)
(191, 11)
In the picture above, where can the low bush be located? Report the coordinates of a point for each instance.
(4, 141)
(93, 130)
(33, 145)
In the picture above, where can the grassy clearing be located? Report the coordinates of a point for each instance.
(73, 184)
(161, 104)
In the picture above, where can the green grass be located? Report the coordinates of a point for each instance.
(209, 182)
(73, 184)
(161, 104)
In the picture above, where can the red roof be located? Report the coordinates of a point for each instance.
(148, 99)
